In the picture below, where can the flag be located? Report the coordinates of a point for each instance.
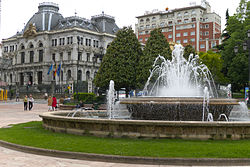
(51, 67)
(59, 69)
(55, 70)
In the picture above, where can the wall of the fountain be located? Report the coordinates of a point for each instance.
(175, 112)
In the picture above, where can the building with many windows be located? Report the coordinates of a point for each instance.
(195, 25)
(72, 46)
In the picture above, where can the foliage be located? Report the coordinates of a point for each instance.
(188, 50)
(214, 63)
(120, 61)
(37, 136)
(89, 98)
(235, 64)
(156, 45)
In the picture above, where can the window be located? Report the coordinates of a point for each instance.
(69, 55)
(186, 21)
(170, 36)
(88, 56)
(178, 34)
(179, 14)
(61, 56)
(79, 56)
(153, 25)
(193, 25)
(147, 26)
(22, 57)
(141, 33)
(170, 23)
(186, 14)
(146, 38)
(185, 34)
(162, 24)
(61, 41)
(146, 32)
(31, 56)
(141, 27)
(147, 20)
(202, 46)
(193, 19)
(178, 21)
(54, 42)
(68, 74)
(141, 21)
(40, 77)
(54, 57)
(178, 41)
(185, 41)
(192, 39)
(69, 40)
(40, 55)
(192, 33)
(206, 33)
(207, 26)
(140, 39)
(6, 49)
(153, 19)
(79, 75)
(40, 45)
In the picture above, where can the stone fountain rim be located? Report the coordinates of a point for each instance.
(58, 116)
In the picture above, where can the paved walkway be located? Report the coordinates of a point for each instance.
(12, 113)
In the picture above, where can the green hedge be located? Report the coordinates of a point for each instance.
(90, 98)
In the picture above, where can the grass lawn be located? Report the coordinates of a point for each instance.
(32, 134)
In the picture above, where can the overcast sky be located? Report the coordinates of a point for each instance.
(16, 13)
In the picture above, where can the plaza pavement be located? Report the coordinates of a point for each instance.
(11, 112)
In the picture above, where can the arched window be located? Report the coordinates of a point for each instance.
(31, 45)
(87, 75)
(40, 45)
(141, 20)
(147, 20)
(22, 47)
(68, 74)
(79, 75)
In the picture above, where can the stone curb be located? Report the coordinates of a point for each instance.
(129, 159)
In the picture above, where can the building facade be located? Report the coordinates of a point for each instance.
(195, 25)
(50, 40)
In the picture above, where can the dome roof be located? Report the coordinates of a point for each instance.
(46, 18)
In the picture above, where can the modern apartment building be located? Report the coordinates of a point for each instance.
(195, 25)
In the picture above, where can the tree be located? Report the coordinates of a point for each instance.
(120, 61)
(214, 63)
(156, 45)
(237, 26)
(188, 50)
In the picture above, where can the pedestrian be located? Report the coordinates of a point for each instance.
(54, 103)
(31, 100)
(17, 96)
(50, 103)
(25, 102)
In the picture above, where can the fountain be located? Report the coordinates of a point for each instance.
(174, 92)
(181, 102)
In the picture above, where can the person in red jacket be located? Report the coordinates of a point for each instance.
(54, 103)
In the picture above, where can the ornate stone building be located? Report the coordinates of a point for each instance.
(74, 43)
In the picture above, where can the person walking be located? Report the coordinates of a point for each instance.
(50, 103)
(25, 102)
(54, 103)
(31, 100)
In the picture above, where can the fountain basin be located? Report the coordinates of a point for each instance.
(176, 108)
(58, 122)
